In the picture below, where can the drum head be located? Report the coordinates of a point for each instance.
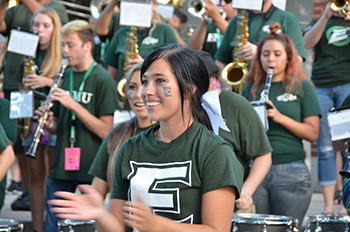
(7, 224)
(258, 222)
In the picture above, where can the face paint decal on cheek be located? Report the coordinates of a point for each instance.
(129, 94)
(167, 91)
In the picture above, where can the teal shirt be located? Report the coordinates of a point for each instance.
(289, 26)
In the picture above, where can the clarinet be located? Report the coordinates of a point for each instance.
(264, 97)
(47, 104)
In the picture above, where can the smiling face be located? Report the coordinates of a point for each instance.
(134, 97)
(43, 26)
(161, 93)
(274, 55)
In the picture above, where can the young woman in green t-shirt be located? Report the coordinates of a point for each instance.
(46, 23)
(177, 171)
(104, 163)
(294, 116)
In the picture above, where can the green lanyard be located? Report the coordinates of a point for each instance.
(104, 46)
(219, 38)
(80, 91)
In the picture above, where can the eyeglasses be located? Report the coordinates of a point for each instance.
(228, 1)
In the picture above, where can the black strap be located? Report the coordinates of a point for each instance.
(267, 16)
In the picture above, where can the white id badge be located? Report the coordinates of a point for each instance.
(21, 104)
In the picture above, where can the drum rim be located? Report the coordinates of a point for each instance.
(15, 224)
(327, 219)
(261, 219)
(71, 222)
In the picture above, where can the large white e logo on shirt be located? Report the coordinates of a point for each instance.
(156, 184)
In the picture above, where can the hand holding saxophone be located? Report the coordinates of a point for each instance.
(247, 51)
(134, 61)
(35, 81)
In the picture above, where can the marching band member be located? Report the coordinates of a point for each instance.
(47, 25)
(259, 22)
(294, 116)
(81, 118)
(148, 39)
(330, 74)
(14, 17)
(209, 35)
(244, 128)
(103, 166)
(178, 153)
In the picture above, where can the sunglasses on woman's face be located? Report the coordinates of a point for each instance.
(228, 1)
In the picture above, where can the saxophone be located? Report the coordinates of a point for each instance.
(235, 72)
(24, 127)
(131, 52)
(47, 104)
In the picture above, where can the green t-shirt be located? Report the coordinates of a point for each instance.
(102, 42)
(8, 129)
(346, 102)
(160, 34)
(99, 98)
(19, 16)
(172, 177)
(331, 61)
(100, 164)
(212, 38)
(246, 129)
(287, 147)
(4, 143)
(9, 125)
(289, 26)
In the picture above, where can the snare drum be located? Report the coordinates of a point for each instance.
(10, 225)
(262, 223)
(320, 223)
(68, 225)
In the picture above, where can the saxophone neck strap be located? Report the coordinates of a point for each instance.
(267, 16)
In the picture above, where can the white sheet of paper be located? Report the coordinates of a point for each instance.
(135, 14)
(121, 116)
(21, 104)
(166, 11)
(247, 4)
(217, 2)
(23, 43)
(338, 35)
(280, 4)
(339, 124)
